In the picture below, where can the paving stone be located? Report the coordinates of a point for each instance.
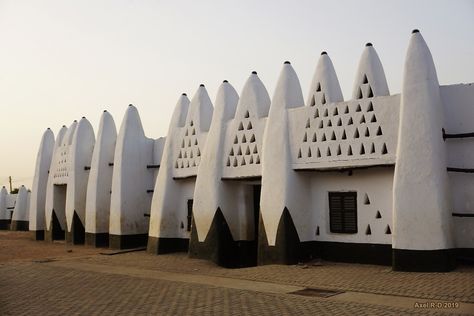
(32, 285)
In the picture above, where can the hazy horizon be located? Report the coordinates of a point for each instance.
(61, 60)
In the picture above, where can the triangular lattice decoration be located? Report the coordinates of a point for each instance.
(189, 153)
(244, 143)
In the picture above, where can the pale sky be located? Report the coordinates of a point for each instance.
(63, 59)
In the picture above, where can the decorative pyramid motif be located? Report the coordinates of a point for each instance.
(245, 145)
(189, 154)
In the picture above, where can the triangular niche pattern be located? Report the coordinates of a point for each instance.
(244, 150)
(189, 153)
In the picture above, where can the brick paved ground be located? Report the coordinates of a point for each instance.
(66, 286)
(457, 284)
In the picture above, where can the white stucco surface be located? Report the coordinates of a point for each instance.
(387, 148)
(21, 210)
(421, 196)
(459, 114)
(58, 172)
(324, 85)
(244, 133)
(182, 155)
(374, 183)
(233, 152)
(99, 186)
(4, 213)
(211, 192)
(370, 75)
(40, 182)
(165, 186)
(131, 178)
(281, 186)
(80, 155)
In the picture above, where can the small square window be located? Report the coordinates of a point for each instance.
(343, 212)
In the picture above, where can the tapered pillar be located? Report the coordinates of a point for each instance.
(422, 234)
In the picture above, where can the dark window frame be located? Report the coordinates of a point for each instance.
(343, 212)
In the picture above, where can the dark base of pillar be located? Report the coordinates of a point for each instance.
(158, 245)
(465, 255)
(221, 248)
(20, 225)
(50, 235)
(424, 260)
(5, 224)
(55, 231)
(77, 234)
(287, 249)
(98, 240)
(127, 241)
(37, 234)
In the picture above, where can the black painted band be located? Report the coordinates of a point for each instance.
(5, 224)
(97, 240)
(20, 225)
(441, 260)
(127, 241)
(37, 234)
(158, 245)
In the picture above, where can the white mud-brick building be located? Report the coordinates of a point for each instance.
(7, 207)
(369, 179)
(171, 208)
(97, 192)
(381, 178)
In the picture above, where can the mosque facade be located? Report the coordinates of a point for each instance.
(252, 179)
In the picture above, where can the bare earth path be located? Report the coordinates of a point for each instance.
(39, 278)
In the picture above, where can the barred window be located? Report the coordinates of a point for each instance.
(343, 212)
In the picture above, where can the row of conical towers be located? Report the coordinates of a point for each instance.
(238, 182)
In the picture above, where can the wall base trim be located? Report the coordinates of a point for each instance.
(441, 260)
(287, 249)
(55, 231)
(20, 225)
(98, 240)
(77, 234)
(367, 253)
(127, 241)
(220, 247)
(465, 255)
(5, 224)
(37, 234)
(160, 245)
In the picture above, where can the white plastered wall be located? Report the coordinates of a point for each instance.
(181, 159)
(282, 187)
(21, 210)
(80, 155)
(131, 178)
(459, 111)
(4, 213)
(421, 195)
(234, 126)
(58, 175)
(374, 183)
(166, 189)
(99, 185)
(40, 181)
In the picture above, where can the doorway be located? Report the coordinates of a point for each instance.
(59, 212)
(256, 219)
